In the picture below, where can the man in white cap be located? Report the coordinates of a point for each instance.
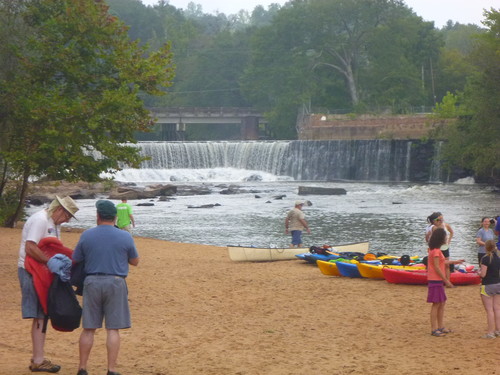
(44, 223)
(295, 223)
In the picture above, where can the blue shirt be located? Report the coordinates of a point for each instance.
(105, 249)
(497, 229)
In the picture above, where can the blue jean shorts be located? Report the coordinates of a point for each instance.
(296, 237)
(30, 305)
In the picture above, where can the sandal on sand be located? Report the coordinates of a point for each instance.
(45, 366)
(82, 372)
(445, 330)
(497, 333)
(438, 333)
(489, 336)
(112, 373)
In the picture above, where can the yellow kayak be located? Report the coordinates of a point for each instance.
(328, 268)
(374, 271)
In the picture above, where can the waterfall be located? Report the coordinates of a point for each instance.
(436, 172)
(369, 160)
(261, 156)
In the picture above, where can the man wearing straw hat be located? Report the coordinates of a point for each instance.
(295, 223)
(44, 223)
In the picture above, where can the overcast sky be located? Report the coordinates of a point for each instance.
(439, 11)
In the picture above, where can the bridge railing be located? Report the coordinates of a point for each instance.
(205, 111)
(394, 110)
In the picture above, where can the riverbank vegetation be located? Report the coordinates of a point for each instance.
(331, 56)
(77, 77)
(70, 86)
(473, 137)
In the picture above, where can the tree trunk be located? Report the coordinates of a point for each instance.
(3, 179)
(351, 84)
(11, 221)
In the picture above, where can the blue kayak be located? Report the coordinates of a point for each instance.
(348, 269)
(312, 257)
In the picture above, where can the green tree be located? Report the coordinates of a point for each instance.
(71, 108)
(279, 77)
(337, 33)
(333, 53)
(401, 52)
(214, 72)
(473, 141)
(261, 17)
(145, 22)
(453, 64)
(460, 37)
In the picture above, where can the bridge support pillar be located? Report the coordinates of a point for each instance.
(250, 128)
(173, 132)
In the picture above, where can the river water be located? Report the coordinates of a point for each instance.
(392, 216)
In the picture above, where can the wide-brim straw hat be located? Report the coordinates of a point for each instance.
(303, 203)
(68, 204)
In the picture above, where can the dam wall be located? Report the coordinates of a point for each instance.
(365, 127)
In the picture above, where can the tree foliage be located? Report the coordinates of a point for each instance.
(453, 65)
(473, 141)
(337, 54)
(71, 106)
(73, 84)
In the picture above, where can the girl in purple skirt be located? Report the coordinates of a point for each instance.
(437, 280)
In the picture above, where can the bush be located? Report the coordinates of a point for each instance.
(8, 205)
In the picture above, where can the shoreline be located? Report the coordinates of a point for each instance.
(194, 311)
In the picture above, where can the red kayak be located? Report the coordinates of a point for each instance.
(420, 277)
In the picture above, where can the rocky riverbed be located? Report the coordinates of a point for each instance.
(44, 192)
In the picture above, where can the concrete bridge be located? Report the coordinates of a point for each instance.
(173, 120)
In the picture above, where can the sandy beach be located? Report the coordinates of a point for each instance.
(194, 311)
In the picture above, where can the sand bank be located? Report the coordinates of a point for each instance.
(194, 311)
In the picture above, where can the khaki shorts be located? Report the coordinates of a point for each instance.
(128, 228)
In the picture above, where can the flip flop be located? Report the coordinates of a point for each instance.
(438, 333)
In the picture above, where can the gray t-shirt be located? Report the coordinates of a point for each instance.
(484, 235)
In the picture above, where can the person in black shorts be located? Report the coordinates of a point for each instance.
(490, 288)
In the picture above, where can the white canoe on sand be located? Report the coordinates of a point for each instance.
(259, 254)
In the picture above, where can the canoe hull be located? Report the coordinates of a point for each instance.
(257, 254)
(357, 247)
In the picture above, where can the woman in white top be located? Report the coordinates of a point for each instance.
(436, 220)
(430, 224)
